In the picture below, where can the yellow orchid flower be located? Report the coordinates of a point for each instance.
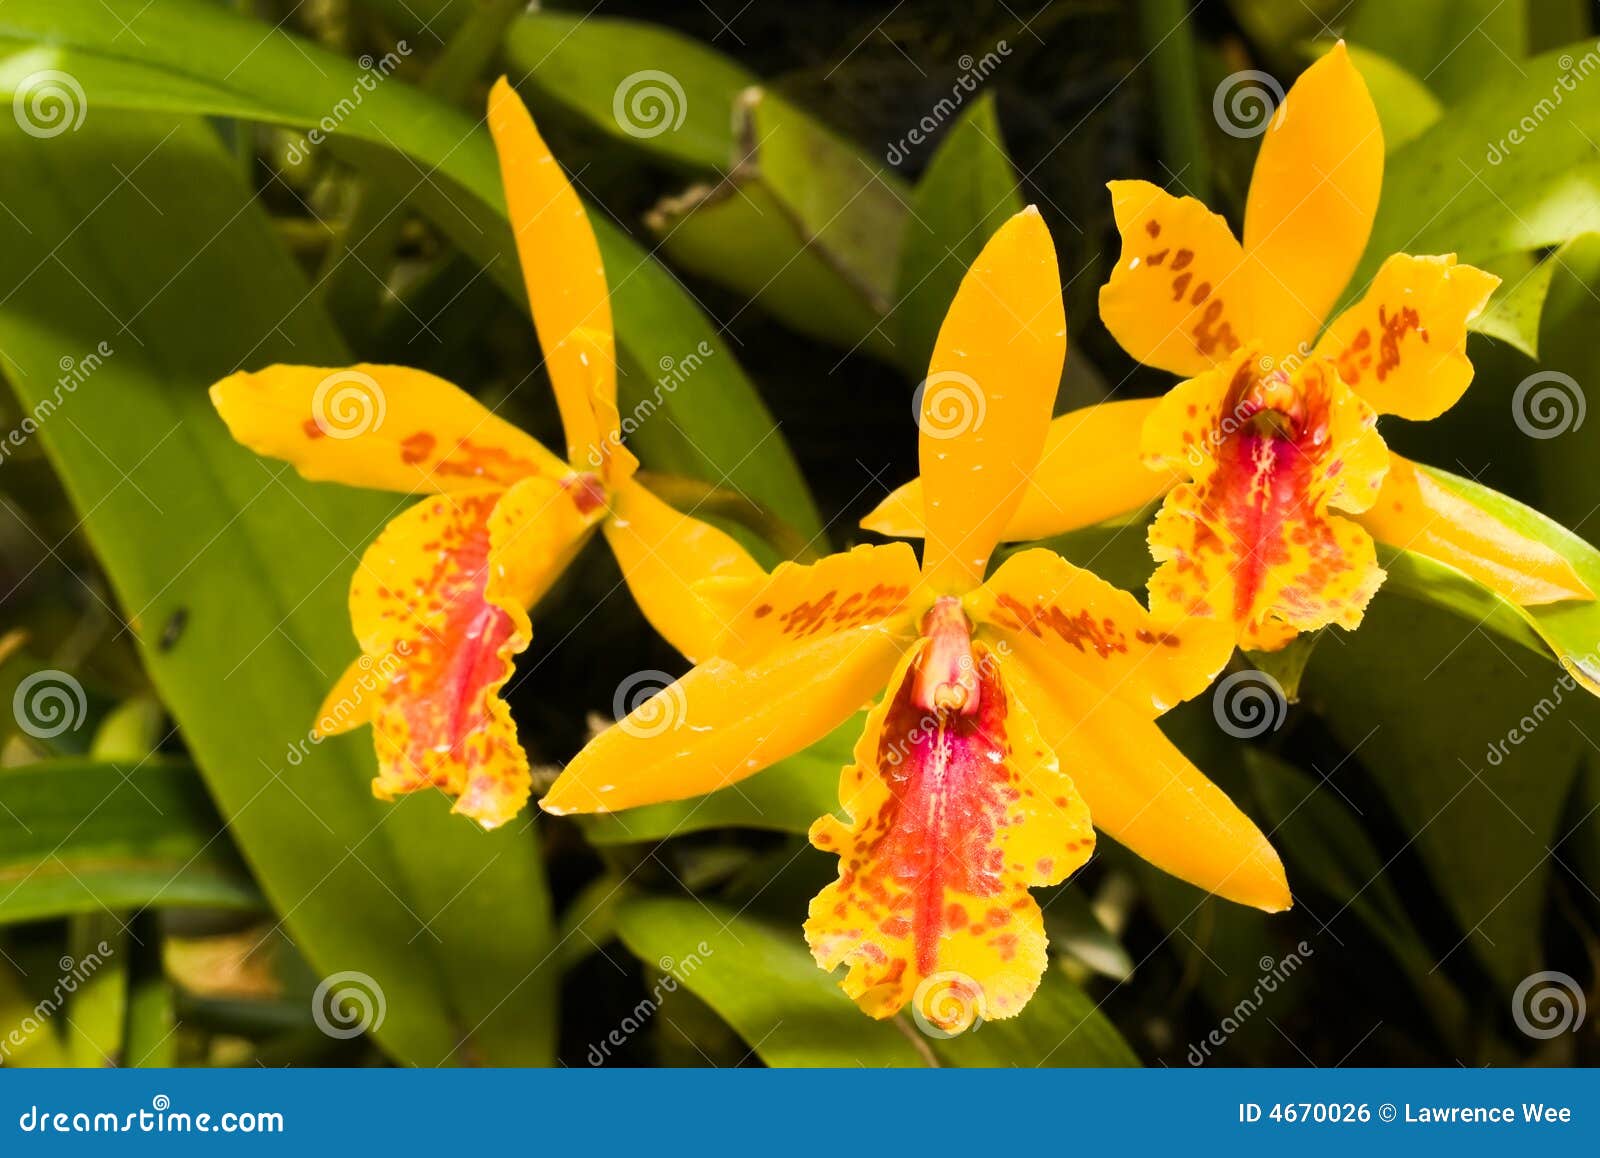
(1014, 712)
(440, 600)
(1275, 479)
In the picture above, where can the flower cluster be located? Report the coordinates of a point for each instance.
(1015, 708)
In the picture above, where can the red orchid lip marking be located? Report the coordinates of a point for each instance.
(947, 679)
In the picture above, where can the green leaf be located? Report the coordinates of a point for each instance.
(1564, 461)
(197, 57)
(1429, 581)
(786, 797)
(1076, 931)
(967, 193)
(1570, 628)
(647, 85)
(763, 982)
(1060, 1026)
(1323, 840)
(1513, 314)
(1458, 736)
(232, 571)
(83, 837)
(1510, 168)
(1287, 665)
(97, 1008)
(1454, 46)
(592, 66)
(149, 1033)
(1406, 107)
(804, 224)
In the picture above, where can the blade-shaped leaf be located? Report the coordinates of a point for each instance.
(1470, 747)
(83, 837)
(1512, 315)
(1564, 456)
(1510, 168)
(197, 57)
(1425, 37)
(1406, 106)
(649, 85)
(804, 224)
(1570, 628)
(763, 982)
(141, 246)
(1325, 841)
